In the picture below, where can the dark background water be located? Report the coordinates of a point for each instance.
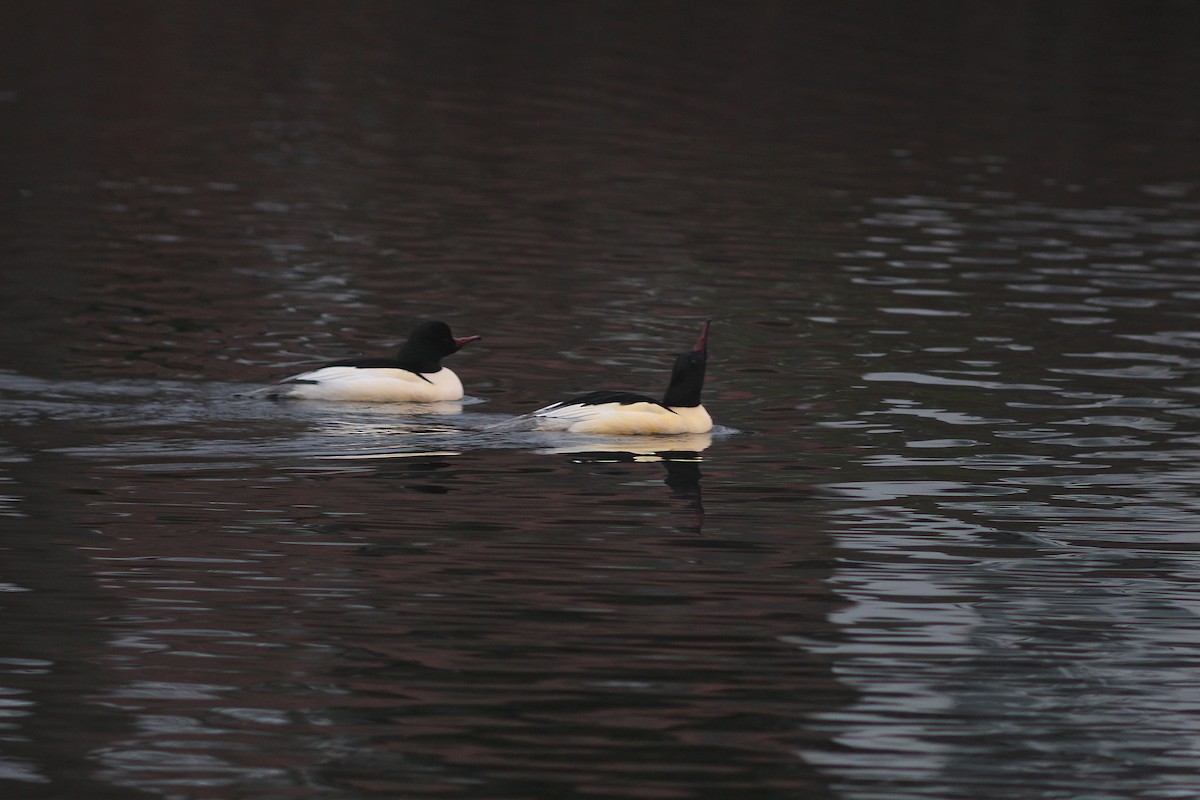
(944, 544)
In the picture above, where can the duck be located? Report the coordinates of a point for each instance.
(415, 375)
(620, 413)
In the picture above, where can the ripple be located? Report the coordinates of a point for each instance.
(169, 690)
(1188, 340)
(1052, 288)
(937, 380)
(1002, 461)
(894, 490)
(1133, 372)
(924, 312)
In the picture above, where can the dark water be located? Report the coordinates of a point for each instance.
(945, 543)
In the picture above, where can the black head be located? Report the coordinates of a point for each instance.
(428, 344)
(687, 376)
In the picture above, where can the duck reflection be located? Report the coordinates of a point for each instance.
(364, 439)
(679, 455)
(641, 448)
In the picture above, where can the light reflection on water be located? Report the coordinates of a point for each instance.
(1032, 534)
(942, 545)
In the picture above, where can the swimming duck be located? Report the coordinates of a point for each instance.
(415, 375)
(619, 413)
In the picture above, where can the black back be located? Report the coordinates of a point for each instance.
(603, 396)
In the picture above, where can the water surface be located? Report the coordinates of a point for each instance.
(942, 545)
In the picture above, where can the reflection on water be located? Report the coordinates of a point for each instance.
(643, 448)
(942, 544)
(1023, 532)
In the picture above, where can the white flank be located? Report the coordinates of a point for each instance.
(372, 385)
(615, 419)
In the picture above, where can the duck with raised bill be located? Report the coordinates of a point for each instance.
(619, 413)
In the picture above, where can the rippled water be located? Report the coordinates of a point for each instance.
(942, 544)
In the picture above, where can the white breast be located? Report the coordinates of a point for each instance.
(615, 419)
(372, 385)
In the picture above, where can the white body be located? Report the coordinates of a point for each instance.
(372, 385)
(616, 419)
